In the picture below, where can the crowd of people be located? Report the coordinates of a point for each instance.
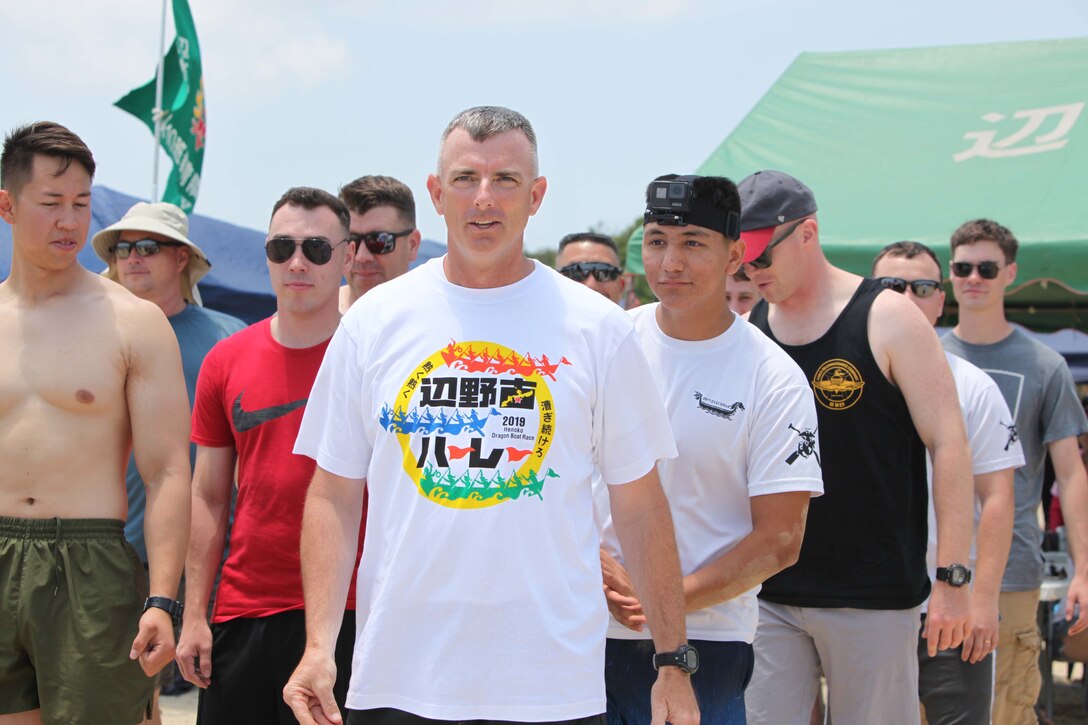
(483, 491)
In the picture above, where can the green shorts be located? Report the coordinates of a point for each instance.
(72, 595)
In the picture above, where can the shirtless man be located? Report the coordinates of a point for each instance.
(89, 371)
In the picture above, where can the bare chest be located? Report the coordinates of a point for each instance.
(72, 363)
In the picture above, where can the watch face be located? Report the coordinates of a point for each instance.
(957, 576)
(691, 659)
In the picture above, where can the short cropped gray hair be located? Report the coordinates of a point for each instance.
(483, 122)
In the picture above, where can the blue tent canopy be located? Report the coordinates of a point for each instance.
(238, 281)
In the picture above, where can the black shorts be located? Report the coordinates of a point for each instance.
(252, 659)
(389, 716)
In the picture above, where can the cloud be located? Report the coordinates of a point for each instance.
(267, 48)
(491, 14)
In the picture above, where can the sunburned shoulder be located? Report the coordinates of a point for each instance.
(894, 314)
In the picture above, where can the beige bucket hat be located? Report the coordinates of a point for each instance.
(157, 218)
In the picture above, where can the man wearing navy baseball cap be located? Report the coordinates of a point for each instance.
(884, 394)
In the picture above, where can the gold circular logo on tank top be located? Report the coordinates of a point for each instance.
(837, 384)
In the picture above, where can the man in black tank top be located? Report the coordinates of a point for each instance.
(884, 394)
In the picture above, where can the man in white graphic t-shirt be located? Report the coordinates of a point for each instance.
(745, 425)
(956, 685)
(475, 397)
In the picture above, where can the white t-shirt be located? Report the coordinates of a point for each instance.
(478, 417)
(994, 445)
(745, 425)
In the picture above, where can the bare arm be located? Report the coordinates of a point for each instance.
(213, 480)
(330, 536)
(906, 344)
(1073, 493)
(995, 493)
(159, 413)
(778, 527)
(643, 523)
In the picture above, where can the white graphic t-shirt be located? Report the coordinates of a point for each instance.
(478, 418)
(745, 424)
(991, 433)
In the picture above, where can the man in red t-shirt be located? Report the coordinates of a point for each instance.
(250, 396)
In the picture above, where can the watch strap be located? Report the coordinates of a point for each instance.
(171, 606)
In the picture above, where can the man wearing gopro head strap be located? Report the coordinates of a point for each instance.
(744, 422)
(884, 394)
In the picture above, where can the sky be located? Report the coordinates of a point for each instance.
(321, 92)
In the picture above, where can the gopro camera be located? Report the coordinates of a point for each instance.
(670, 196)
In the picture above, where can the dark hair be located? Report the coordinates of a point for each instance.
(589, 237)
(740, 275)
(483, 122)
(715, 191)
(985, 230)
(43, 138)
(310, 198)
(908, 250)
(368, 192)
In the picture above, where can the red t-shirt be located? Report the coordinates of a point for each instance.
(250, 396)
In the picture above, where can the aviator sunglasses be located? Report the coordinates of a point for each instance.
(378, 242)
(986, 270)
(143, 247)
(316, 249)
(764, 259)
(920, 287)
(601, 271)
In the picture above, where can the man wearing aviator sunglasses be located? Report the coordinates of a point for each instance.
(592, 259)
(1039, 389)
(251, 393)
(884, 393)
(957, 685)
(383, 229)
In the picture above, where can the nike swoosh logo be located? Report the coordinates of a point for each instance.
(249, 419)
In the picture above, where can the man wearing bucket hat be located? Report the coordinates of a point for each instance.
(885, 394)
(149, 252)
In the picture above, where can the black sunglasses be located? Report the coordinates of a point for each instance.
(601, 271)
(764, 260)
(378, 242)
(143, 247)
(920, 287)
(986, 270)
(316, 249)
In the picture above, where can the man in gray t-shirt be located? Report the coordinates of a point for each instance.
(1039, 389)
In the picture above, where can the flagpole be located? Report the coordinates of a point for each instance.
(158, 108)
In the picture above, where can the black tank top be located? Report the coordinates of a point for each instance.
(865, 539)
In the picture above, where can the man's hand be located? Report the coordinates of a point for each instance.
(620, 595)
(308, 692)
(982, 639)
(154, 643)
(1078, 595)
(948, 620)
(194, 656)
(672, 700)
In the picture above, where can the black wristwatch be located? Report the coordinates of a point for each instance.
(171, 606)
(955, 575)
(686, 658)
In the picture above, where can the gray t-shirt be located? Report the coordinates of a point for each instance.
(1040, 392)
(197, 330)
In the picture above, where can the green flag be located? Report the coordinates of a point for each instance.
(184, 116)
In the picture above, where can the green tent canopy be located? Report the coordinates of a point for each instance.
(908, 144)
